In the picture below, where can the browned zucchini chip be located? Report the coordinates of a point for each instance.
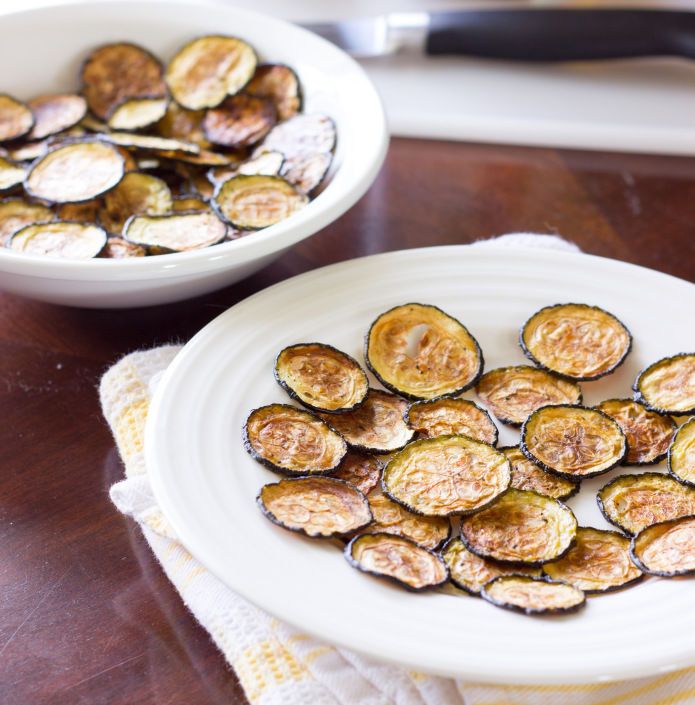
(526, 475)
(320, 507)
(376, 426)
(239, 121)
(668, 385)
(302, 134)
(136, 113)
(598, 562)
(208, 69)
(28, 151)
(55, 113)
(136, 194)
(470, 572)
(421, 352)
(278, 83)
(307, 171)
(633, 502)
(681, 454)
(446, 475)
(321, 377)
(362, 471)
(115, 72)
(178, 232)
(16, 213)
(666, 549)
(572, 441)
(16, 119)
(575, 340)
(266, 164)
(75, 172)
(181, 124)
(292, 441)
(11, 174)
(204, 158)
(187, 204)
(84, 212)
(59, 239)
(446, 417)
(163, 146)
(254, 202)
(527, 595)
(521, 527)
(397, 559)
(118, 248)
(649, 434)
(514, 393)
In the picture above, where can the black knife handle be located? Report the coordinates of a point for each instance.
(562, 35)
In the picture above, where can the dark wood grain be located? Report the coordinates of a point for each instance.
(86, 615)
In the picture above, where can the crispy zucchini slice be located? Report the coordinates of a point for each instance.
(265, 164)
(573, 441)
(649, 434)
(11, 174)
(681, 454)
(321, 377)
(60, 240)
(208, 69)
(666, 549)
(239, 121)
(521, 593)
(397, 559)
(279, 84)
(361, 470)
(75, 172)
(446, 417)
(668, 385)
(16, 119)
(526, 475)
(116, 72)
(204, 158)
(254, 202)
(16, 213)
(521, 527)
(446, 476)
(514, 393)
(633, 502)
(85, 212)
(306, 171)
(28, 151)
(576, 341)
(181, 124)
(319, 507)
(178, 232)
(376, 425)
(292, 441)
(162, 146)
(311, 133)
(188, 204)
(136, 194)
(55, 113)
(598, 562)
(118, 248)
(420, 352)
(137, 113)
(470, 572)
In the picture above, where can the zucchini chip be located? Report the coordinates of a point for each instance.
(208, 69)
(376, 425)
(239, 121)
(397, 559)
(118, 248)
(572, 441)
(307, 171)
(292, 441)
(28, 151)
(279, 84)
(575, 340)
(633, 502)
(681, 454)
(527, 595)
(421, 352)
(136, 113)
(75, 172)
(11, 174)
(598, 562)
(204, 158)
(446, 417)
(360, 470)
(55, 113)
(302, 134)
(178, 232)
(649, 434)
(265, 164)
(321, 377)
(255, 202)
(162, 146)
(528, 476)
(59, 239)
(181, 124)
(188, 204)
(666, 549)
(470, 572)
(446, 475)
(668, 385)
(16, 213)
(16, 119)
(319, 507)
(116, 72)
(514, 393)
(521, 527)
(136, 194)
(85, 212)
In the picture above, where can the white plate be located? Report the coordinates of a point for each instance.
(206, 483)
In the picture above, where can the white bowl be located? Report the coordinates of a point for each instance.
(45, 46)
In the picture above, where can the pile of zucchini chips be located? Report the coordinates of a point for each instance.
(412, 479)
(149, 160)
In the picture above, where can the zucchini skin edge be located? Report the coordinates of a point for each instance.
(528, 611)
(671, 471)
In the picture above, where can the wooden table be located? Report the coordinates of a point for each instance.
(86, 615)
